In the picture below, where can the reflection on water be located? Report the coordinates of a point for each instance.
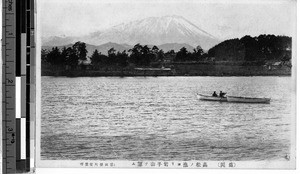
(137, 118)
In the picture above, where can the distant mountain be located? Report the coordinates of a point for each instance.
(175, 46)
(101, 48)
(118, 47)
(121, 47)
(58, 41)
(150, 31)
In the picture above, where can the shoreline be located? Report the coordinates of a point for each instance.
(191, 69)
(269, 75)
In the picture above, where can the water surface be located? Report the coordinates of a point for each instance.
(160, 118)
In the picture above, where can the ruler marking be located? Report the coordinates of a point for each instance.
(18, 97)
(18, 38)
(18, 24)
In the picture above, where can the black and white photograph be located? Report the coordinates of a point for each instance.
(167, 84)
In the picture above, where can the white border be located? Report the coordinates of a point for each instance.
(254, 165)
(18, 97)
(23, 138)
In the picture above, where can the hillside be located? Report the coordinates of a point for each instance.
(148, 31)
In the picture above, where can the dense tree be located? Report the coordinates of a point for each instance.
(64, 55)
(155, 49)
(157, 55)
(136, 53)
(122, 59)
(146, 57)
(170, 55)
(197, 55)
(255, 49)
(112, 56)
(230, 50)
(79, 49)
(160, 55)
(182, 55)
(251, 48)
(136, 50)
(95, 58)
(71, 58)
(44, 54)
(54, 57)
(111, 52)
(261, 48)
(141, 55)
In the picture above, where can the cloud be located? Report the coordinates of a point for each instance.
(77, 17)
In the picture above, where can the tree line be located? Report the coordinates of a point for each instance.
(261, 48)
(139, 55)
(71, 56)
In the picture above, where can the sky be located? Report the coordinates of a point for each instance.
(223, 19)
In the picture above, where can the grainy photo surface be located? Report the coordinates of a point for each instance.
(199, 84)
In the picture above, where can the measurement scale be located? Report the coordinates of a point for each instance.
(18, 85)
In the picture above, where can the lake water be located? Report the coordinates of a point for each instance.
(160, 118)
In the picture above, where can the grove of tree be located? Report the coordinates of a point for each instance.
(261, 48)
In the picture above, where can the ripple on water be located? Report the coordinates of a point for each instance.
(161, 119)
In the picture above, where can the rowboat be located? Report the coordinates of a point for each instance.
(211, 98)
(247, 99)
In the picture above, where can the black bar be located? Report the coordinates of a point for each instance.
(27, 77)
(28, 56)
(28, 4)
(28, 26)
(18, 39)
(28, 37)
(27, 167)
(30, 20)
(27, 103)
(27, 110)
(32, 4)
(21, 166)
(23, 16)
(18, 139)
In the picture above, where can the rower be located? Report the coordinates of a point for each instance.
(222, 94)
(215, 94)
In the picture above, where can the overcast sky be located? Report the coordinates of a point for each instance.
(230, 19)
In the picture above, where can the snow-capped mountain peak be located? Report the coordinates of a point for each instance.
(154, 31)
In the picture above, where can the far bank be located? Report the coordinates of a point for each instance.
(176, 69)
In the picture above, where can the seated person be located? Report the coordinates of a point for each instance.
(215, 94)
(222, 94)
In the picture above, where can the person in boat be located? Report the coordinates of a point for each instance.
(215, 94)
(222, 94)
